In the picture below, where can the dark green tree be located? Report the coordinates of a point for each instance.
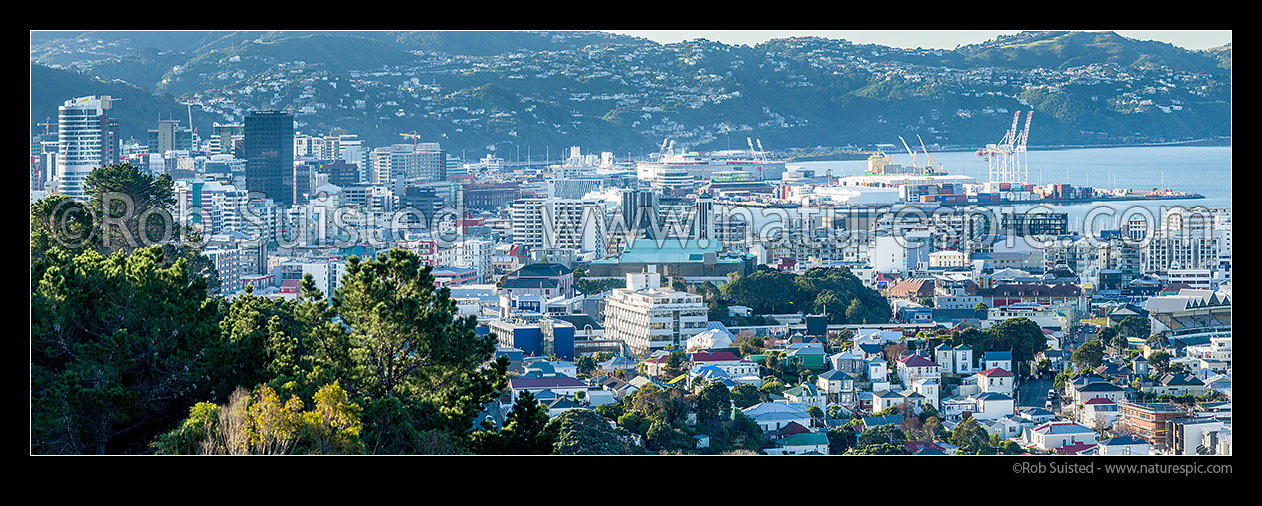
(415, 365)
(664, 436)
(1134, 327)
(1160, 361)
(583, 432)
(526, 431)
(119, 349)
(885, 434)
(714, 403)
(586, 365)
(1090, 354)
(841, 439)
(745, 396)
(970, 436)
(880, 449)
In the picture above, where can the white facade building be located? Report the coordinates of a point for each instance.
(79, 144)
(575, 224)
(650, 318)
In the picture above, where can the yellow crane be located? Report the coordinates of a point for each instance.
(930, 167)
(914, 164)
(414, 137)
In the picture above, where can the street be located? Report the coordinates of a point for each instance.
(1033, 393)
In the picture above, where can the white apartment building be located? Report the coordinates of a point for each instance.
(1190, 238)
(327, 274)
(79, 144)
(647, 317)
(900, 251)
(948, 258)
(423, 160)
(476, 254)
(1168, 250)
(577, 224)
(228, 265)
(212, 207)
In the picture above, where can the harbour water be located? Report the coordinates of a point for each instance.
(1199, 169)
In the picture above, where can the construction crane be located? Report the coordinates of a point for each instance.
(414, 137)
(48, 122)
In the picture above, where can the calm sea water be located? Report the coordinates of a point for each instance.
(1201, 169)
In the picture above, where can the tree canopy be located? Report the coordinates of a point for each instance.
(832, 290)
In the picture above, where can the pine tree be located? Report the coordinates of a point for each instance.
(416, 365)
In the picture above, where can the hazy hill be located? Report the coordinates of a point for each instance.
(1070, 49)
(137, 110)
(470, 90)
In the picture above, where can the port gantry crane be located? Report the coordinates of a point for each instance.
(1006, 158)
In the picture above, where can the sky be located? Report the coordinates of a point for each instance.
(928, 39)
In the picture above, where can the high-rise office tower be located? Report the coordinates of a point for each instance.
(638, 208)
(304, 181)
(170, 136)
(111, 143)
(269, 154)
(80, 123)
(424, 161)
(226, 139)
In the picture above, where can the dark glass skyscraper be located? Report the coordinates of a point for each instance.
(269, 155)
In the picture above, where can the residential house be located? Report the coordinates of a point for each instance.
(1037, 415)
(1099, 411)
(739, 369)
(1177, 384)
(1052, 435)
(1008, 427)
(561, 385)
(710, 338)
(543, 279)
(561, 405)
(996, 379)
(617, 363)
(916, 367)
(1000, 359)
(801, 444)
(872, 422)
(1076, 448)
(1123, 445)
(849, 362)
(878, 370)
(954, 360)
(886, 399)
(869, 350)
(1096, 390)
(993, 405)
(929, 389)
(774, 415)
(808, 355)
(837, 386)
